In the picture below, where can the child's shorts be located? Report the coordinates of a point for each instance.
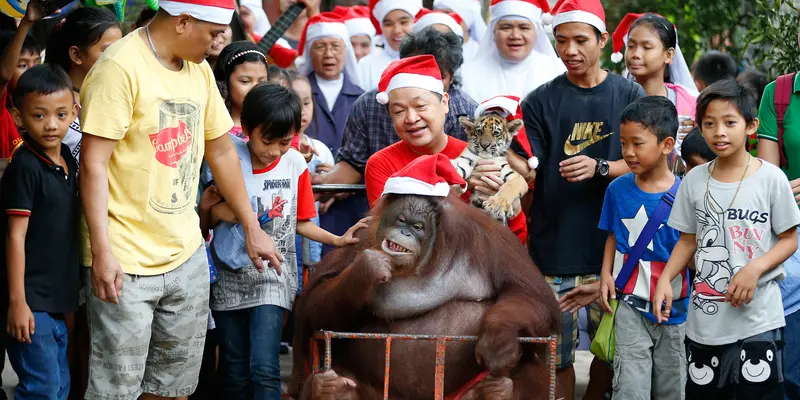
(749, 369)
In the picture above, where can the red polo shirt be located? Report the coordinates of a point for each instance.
(386, 162)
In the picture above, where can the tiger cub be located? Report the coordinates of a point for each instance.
(488, 138)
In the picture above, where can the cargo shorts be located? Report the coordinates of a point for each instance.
(568, 336)
(151, 341)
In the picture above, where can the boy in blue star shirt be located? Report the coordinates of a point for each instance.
(647, 354)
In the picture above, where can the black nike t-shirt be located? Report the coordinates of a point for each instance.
(563, 120)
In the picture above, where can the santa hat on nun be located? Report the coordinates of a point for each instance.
(470, 11)
(379, 9)
(530, 10)
(282, 53)
(678, 69)
(587, 11)
(213, 11)
(430, 175)
(356, 18)
(418, 71)
(327, 25)
(426, 18)
(509, 108)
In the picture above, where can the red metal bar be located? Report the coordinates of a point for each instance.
(441, 344)
(388, 358)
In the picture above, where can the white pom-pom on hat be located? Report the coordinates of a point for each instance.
(382, 98)
(616, 58)
(547, 19)
(533, 162)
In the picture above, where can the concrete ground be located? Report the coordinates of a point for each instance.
(582, 361)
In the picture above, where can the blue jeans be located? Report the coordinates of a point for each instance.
(791, 356)
(41, 365)
(249, 346)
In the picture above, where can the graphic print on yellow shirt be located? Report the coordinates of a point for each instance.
(176, 153)
(160, 120)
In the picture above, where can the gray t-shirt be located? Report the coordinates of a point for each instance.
(729, 236)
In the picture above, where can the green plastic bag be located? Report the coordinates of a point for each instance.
(603, 344)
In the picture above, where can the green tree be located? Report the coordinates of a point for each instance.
(772, 43)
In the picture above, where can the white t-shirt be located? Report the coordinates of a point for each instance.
(73, 139)
(731, 232)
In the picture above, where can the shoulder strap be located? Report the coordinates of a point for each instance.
(784, 86)
(650, 229)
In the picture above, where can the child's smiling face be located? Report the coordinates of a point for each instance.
(724, 128)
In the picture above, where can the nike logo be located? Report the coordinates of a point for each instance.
(584, 134)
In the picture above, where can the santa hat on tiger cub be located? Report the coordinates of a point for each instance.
(429, 175)
(418, 71)
(213, 11)
(508, 107)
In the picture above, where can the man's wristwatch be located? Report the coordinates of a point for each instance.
(602, 167)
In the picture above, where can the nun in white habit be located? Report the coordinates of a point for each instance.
(515, 55)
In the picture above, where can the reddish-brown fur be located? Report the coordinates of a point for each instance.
(337, 296)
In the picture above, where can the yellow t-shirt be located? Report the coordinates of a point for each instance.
(155, 114)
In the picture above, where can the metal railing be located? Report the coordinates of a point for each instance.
(441, 344)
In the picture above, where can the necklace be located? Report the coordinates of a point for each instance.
(711, 204)
(152, 46)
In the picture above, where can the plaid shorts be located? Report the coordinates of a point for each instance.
(568, 337)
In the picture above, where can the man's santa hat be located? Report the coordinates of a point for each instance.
(356, 18)
(419, 72)
(327, 25)
(379, 9)
(530, 10)
(213, 11)
(587, 11)
(679, 70)
(469, 11)
(282, 53)
(509, 107)
(430, 175)
(426, 18)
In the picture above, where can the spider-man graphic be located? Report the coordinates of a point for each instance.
(276, 211)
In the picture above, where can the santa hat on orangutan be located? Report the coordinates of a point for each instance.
(213, 11)
(509, 108)
(430, 175)
(587, 11)
(418, 71)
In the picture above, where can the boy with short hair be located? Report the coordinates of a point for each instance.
(695, 150)
(41, 211)
(645, 352)
(20, 52)
(713, 66)
(739, 238)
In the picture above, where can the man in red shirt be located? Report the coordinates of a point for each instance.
(413, 92)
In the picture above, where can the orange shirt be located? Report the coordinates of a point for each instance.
(386, 162)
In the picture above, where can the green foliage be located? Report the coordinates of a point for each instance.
(702, 24)
(772, 39)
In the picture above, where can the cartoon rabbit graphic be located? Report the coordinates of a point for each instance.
(712, 259)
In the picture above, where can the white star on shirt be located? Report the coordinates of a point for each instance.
(635, 226)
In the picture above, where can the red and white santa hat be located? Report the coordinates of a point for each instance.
(620, 36)
(587, 11)
(509, 107)
(530, 10)
(213, 11)
(327, 25)
(282, 53)
(379, 9)
(356, 18)
(430, 175)
(418, 71)
(426, 18)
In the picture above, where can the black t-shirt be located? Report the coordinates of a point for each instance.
(34, 186)
(563, 120)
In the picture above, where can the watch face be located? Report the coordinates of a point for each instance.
(602, 168)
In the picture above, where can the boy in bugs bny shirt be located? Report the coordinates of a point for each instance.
(740, 238)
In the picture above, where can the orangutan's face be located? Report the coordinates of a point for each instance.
(408, 231)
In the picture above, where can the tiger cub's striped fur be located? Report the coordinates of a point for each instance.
(489, 137)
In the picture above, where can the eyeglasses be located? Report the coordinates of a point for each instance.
(322, 48)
